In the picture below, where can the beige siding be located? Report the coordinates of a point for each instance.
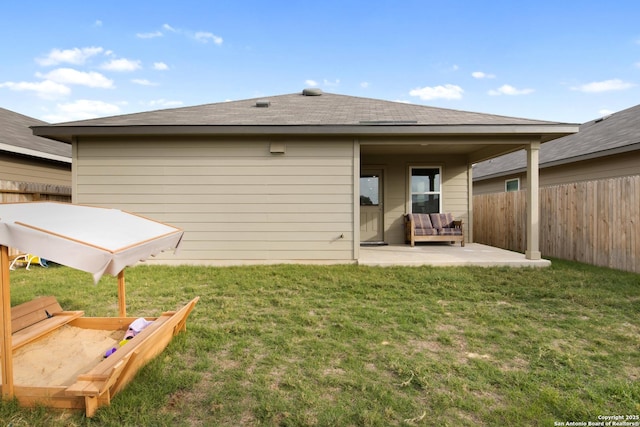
(235, 200)
(22, 169)
(396, 192)
(497, 185)
(627, 164)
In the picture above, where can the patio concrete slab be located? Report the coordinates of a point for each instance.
(472, 254)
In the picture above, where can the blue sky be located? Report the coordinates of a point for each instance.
(561, 60)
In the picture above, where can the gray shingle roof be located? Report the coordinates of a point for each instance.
(16, 137)
(298, 109)
(617, 132)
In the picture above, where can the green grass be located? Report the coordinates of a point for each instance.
(294, 345)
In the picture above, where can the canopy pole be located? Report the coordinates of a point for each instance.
(122, 304)
(5, 325)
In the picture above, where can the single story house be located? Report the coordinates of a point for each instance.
(608, 147)
(29, 163)
(302, 177)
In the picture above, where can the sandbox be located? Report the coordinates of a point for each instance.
(60, 361)
(54, 357)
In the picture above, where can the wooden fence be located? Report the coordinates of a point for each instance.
(595, 222)
(12, 191)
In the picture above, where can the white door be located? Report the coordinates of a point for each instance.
(371, 211)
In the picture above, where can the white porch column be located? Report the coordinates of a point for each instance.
(533, 207)
(468, 235)
(357, 159)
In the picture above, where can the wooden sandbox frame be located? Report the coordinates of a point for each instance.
(40, 317)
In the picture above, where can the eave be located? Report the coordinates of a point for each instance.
(34, 153)
(542, 132)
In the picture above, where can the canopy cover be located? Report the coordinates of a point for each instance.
(92, 239)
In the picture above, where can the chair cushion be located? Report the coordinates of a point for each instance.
(426, 232)
(450, 232)
(421, 221)
(441, 220)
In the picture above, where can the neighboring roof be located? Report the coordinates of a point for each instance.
(340, 113)
(617, 133)
(17, 138)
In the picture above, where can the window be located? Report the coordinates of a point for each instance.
(369, 192)
(512, 184)
(426, 189)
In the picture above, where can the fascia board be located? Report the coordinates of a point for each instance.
(64, 133)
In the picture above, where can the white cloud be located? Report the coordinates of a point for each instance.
(169, 28)
(200, 36)
(82, 109)
(160, 66)
(206, 37)
(330, 83)
(509, 90)
(482, 75)
(603, 86)
(311, 83)
(152, 35)
(98, 23)
(447, 91)
(605, 112)
(364, 85)
(71, 76)
(164, 103)
(122, 64)
(72, 56)
(45, 89)
(144, 82)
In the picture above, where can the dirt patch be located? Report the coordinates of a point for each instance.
(447, 328)
(419, 346)
(223, 361)
(478, 356)
(370, 367)
(633, 372)
(514, 365)
(333, 371)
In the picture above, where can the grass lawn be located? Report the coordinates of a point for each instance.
(298, 345)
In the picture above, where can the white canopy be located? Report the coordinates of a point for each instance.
(92, 239)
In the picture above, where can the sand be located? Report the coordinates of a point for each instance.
(59, 357)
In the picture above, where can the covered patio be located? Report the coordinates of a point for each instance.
(445, 254)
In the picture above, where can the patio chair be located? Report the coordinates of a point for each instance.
(27, 260)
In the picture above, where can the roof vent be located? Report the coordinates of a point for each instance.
(388, 122)
(313, 91)
(263, 103)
